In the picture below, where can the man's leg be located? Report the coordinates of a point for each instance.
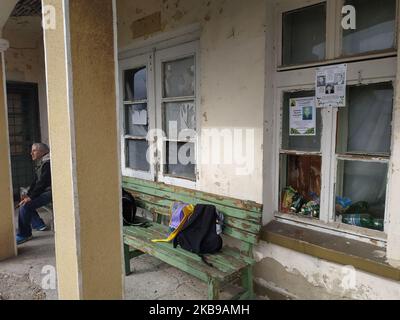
(28, 211)
(37, 221)
(24, 222)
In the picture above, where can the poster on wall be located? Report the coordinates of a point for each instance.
(303, 115)
(331, 86)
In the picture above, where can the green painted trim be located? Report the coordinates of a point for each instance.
(331, 255)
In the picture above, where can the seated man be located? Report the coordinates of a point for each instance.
(39, 195)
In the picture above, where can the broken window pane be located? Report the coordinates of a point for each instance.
(375, 27)
(300, 184)
(180, 117)
(361, 193)
(136, 155)
(300, 143)
(304, 34)
(180, 160)
(179, 78)
(136, 84)
(365, 126)
(136, 120)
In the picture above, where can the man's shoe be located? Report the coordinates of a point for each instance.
(42, 228)
(21, 240)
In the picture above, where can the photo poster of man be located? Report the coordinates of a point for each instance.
(303, 116)
(331, 86)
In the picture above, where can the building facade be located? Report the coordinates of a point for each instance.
(213, 82)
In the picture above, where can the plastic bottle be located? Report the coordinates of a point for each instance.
(363, 220)
(359, 220)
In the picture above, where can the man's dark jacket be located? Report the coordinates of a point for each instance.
(42, 179)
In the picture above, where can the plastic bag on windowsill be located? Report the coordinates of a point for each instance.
(342, 204)
(288, 195)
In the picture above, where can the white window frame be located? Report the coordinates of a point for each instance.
(128, 64)
(302, 78)
(153, 61)
(171, 54)
(333, 54)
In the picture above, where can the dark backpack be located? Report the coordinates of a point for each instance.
(199, 233)
(128, 208)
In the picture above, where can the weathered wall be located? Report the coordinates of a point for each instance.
(232, 56)
(25, 60)
(301, 276)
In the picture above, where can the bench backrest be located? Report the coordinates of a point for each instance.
(242, 218)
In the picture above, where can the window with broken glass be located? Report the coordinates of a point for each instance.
(179, 117)
(136, 119)
(160, 96)
(340, 176)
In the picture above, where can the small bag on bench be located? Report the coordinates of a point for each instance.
(180, 213)
(129, 210)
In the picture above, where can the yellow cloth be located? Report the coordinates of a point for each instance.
(187, 212)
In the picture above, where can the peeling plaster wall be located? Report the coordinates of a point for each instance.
(304, 277)
(25, 60)
(232, 58)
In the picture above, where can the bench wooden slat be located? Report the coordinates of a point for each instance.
(243, 236)
(236, 254)
(164, 190)
(162, 208)
(229, 229)
(222, 262)
(174, 260)
(162, 198)
(227, 258)
(173, 257)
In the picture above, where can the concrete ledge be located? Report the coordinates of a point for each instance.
(362, 256)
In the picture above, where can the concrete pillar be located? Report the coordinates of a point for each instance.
(83, 127)
(7, 231)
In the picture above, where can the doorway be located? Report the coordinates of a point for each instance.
(24, 130)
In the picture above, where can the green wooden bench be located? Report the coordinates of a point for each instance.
(242, 222)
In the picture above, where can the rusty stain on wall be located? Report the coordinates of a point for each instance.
(147, 25)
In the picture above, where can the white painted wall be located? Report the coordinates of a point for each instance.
(25, 60)
(305, 277)
(232, 74)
